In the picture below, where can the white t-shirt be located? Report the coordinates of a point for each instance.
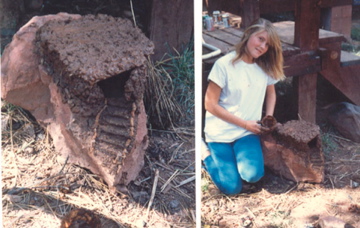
(243, 88)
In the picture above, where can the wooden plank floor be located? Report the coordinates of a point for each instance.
(295, 62)
(226, 38)
(286, 31)
(348, 59)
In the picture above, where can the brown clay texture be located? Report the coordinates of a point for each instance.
(84, 77)
(268, 121)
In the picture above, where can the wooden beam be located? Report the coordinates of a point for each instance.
(171, 25)
(333, 3)
(306, 37)
(250, 11)
(302, 64)
(280, 6)
(306, 94)
(276, 6)
(345, 78)
(307, 22)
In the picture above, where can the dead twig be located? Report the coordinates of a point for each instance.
(185, 181)
(132, 12)
(252, 214)
(175, 153)
(338, 137)
(175, 189)
(169, 180)
(291, 189)
(153, 191)
(66, 160)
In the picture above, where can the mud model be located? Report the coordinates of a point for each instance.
(83, 77)
(294, 151)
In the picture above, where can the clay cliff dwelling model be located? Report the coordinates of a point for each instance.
(83, 77)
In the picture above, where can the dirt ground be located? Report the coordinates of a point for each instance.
(277, 202)
(39, 188)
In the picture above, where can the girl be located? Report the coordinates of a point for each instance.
(238, 83)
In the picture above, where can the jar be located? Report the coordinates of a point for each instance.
(217, 16)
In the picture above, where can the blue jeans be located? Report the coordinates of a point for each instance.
(231, 163)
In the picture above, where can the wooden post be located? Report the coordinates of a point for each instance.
(307, 22)
(171, 25)
(306, 96)
(250, 11)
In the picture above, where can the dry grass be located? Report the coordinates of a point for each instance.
(160, 100)
(169, 96)
(40, 188)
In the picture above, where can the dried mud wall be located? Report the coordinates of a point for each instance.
(83, 78)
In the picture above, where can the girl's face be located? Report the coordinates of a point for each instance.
(256, 46)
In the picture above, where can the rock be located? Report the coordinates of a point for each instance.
(4, 123)
(223, 223)
(22, 74)
(293, 151)
(29, 150)
(174, 204)
(141, 197)
(332, 222)
(28, 131)
(83, 78)
(346, 119)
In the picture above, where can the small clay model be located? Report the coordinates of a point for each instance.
(268, 124)
(81, 218)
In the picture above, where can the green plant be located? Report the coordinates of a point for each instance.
(181, 69)
(350, 48)
(328, 143)
(205, 184)
(355, 33)
(161, 106)
(280, 219)
(169, 95)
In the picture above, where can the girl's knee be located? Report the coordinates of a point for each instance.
(231, 188)
(253, 177)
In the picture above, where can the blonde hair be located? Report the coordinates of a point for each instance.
(272, 61)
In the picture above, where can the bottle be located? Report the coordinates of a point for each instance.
(217, 18)
(209, 23)
(225, 19)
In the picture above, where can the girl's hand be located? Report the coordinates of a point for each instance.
(254, 127)
(268, 124)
